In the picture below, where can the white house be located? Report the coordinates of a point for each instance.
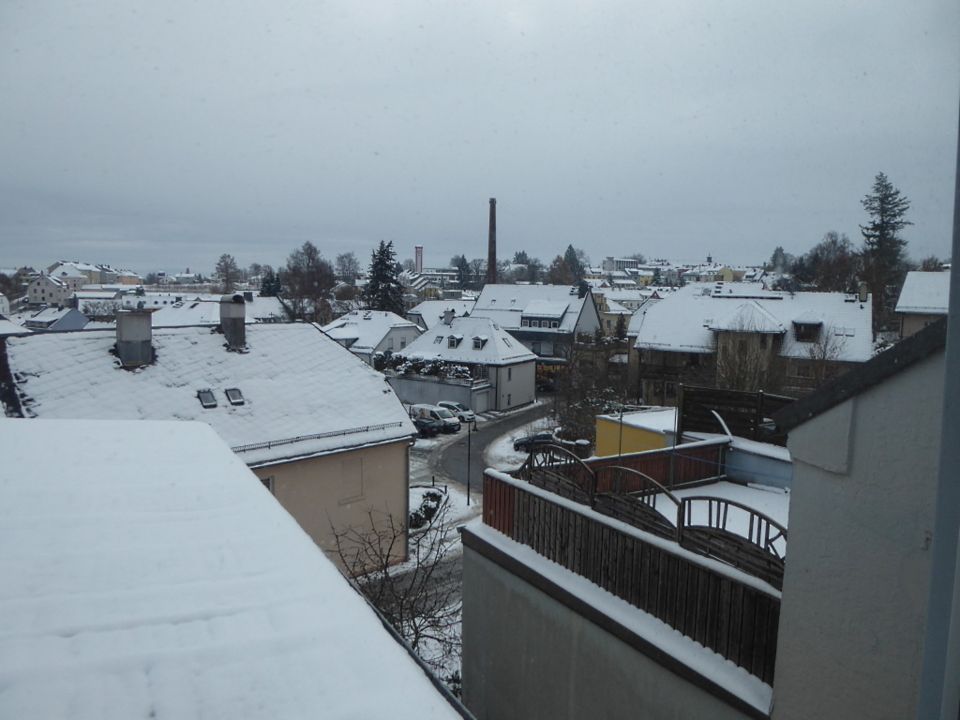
(545, 318)
(48, 290)
(923, 300)
(499, 372)
(157, 578)
(368, 332)
(321, 428)
(4, 305)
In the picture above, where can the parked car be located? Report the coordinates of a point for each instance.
(529, 442)
(464, 413)
(447, 419)
(427, 427)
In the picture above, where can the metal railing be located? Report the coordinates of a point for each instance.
(733, 617)
(316, 436)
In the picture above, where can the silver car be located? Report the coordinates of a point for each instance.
(461, 411)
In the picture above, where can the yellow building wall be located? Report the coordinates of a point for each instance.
(634, 439)
(334, 494)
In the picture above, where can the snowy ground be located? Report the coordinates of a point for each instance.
(500, 453)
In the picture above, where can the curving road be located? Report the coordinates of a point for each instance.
(451, 461)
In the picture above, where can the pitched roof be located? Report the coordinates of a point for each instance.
(505, 304)
(364, 330)
(178, 309)
(497, 346)
(159, 577)
(749, 317)
(685, 320)
(925, 292)
(907, 352)
(431, 311)
(304, 394)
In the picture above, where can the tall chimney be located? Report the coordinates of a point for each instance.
(492, 244)
(134, 337)
(233, 318)
(418, 258)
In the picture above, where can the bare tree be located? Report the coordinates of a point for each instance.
(418, 597)
(824, 354)
(348, 267)
(748, 361)
(308, 280)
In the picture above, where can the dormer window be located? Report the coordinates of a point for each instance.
(477, 343)
(806, 332)
(207, 399)
(454, 340)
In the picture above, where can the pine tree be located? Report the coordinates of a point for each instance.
(883, 248)
(383, 290)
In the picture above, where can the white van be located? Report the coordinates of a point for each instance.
(447, 419)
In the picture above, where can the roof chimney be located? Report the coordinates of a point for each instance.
(134, 338)
(418, 258)
(492, 245)
(448, 315)
(233, 318)
(862, 292)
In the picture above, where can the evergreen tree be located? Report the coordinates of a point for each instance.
(883, 248)
(621, 332)
(383, 290)
(576, 261)
(269, 283)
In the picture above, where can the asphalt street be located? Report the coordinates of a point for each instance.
(452, 460)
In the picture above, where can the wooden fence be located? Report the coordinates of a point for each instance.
(735, 619)
(671, 467)
(745, 413)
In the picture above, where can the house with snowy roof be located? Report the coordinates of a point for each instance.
(923, 300)
(484, 366)
(319, 427)
(429, 313)
(545, 318)
(742, 337)
(49, 290)
(366, 333)
(157, 578)
(4, 305)
(56, 319)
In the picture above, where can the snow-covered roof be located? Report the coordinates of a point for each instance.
(497, 346)
(750, 317)
(505, 304)
(925, 292)
(303, 393)
(682, 320)
(180, 309)
(8, 327)
(364, 330)
(431, 311)
(655, 419)
(159, 578)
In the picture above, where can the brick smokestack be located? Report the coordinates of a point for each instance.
(418, 258)
(492, 245)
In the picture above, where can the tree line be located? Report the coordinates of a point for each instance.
(835, 264)
(309, 283)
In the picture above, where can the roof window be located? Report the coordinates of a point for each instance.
(207, 398)
(234, 396)
(438, 340)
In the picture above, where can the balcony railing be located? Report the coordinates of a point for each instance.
(719, 607)
(638, 489)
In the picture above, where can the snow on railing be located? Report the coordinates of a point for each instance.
(316, 436)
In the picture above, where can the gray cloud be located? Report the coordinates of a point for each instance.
(158, 135)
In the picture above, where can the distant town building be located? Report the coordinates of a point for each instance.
(368, 332)
(923, 300)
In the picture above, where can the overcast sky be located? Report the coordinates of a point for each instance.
(158, 135)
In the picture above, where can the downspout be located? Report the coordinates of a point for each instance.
(940, 678)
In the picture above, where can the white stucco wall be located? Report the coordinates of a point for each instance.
(526, 655)
(857, 570)
(515, 385)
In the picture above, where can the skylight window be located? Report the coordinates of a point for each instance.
(438, 340)
(234, 396)
(207, 398)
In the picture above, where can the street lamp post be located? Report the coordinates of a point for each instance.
(471, 428)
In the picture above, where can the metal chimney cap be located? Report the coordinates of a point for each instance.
(232, 298)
